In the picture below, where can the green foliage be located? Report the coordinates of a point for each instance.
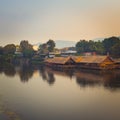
(51, 45)
(109, 45)
(115, 50)
(6, 58)
(99, 48)
(89, 46)
(47, 47)
(1, 50)
(43, 49)
(7, 53)
(26, 48)
(9, 49)
(81, 46)
(37, 60)
(28, 53)
(57, 55)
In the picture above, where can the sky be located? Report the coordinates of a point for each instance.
(41, 20)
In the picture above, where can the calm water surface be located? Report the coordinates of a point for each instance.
(37, 93)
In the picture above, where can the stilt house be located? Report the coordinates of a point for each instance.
(60, 62)
(94, 62)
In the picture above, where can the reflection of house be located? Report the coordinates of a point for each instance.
(65, 73)
(89, 76)
(60, 62)
(95, 62)
(108, 79)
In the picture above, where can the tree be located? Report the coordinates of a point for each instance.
(51, 45)
(99, 47)
(82, 46)
(25, 73)
(43, 49)
(47, 47)
(1, 50)
(9, 49)
(24, 44)
(91, 46)
(108, 43)
(26, 48)
(116, 50)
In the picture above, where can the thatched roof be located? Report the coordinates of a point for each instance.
(79, 59)
(58, 60)
(91, 59)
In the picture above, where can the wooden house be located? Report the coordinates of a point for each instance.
(60, 63)
(94, 62)
(82, 62)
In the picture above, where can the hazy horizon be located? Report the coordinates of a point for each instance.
(41, 20)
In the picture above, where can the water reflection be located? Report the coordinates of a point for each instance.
(84, 78)
(108, 79)
(112, 80)
(66, 73)
(8, 69)
(25, 73)
(47, 75)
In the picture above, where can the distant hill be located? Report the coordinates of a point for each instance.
(65, 43)
(61, 43)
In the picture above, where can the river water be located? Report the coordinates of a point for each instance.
(39, 93)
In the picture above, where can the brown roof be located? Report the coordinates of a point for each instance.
(58, 60)
(91, 59)
(79, 59)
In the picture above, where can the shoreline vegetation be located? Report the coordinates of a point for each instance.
(26, 54)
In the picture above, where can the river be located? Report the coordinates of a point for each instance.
(39, 93)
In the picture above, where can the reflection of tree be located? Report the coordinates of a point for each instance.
(51, 78)
(69, 73)
(112, 80)
(108, 79)
(84, 82)
(63, 72)
(87, 78)
(47, 75)
(9, 70)
(26, 72)
(1, 68)
(42, 73)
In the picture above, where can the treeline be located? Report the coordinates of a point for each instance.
(24, 47)
(107, 46)
(7, 53)
(10, 52)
